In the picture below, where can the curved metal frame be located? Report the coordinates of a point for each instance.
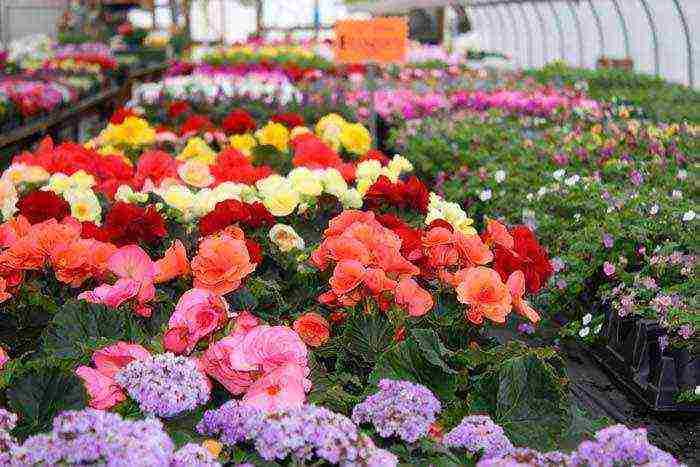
(560, 30)
(543, 29)
(528, 32)
(487, 29)
(599, 27)
(503, 27)
(654, 37)
(579, 34)
(498, 37)
(688, 43)
(517, 52)
(623, 26)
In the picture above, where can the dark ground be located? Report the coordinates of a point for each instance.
(595, 391)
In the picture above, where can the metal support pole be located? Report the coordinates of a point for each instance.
(688, 43)
(623, 26)
(560, 30)
(579, 34)
(654, 37)
(543, 30)
(528, 32)
(599, 27)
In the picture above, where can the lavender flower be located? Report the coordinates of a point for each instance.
(193, 455)
(618, 445)
(96, 437)
(301, 433)
(165, 385)
(478, 433)
(8, 420)
(400, 408)
(526, 457)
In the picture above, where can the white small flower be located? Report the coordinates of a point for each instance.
(500, 175)
(587, 319)
(573, 180)
(577, 217)
(677, 194)
(688, 216)
(558, 174)
(529, 196)
(542, 191)
(584, 331)
(598, 328)
(682, 174)
(697, 390)
(654, 210)
(485, 195)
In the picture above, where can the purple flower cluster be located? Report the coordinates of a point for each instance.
(478, 433)
(165, 385)
(8, 420)
(302, 433)
(193, 455)
(618, 445)
(527, 457)
(400, 408)
(95, 437)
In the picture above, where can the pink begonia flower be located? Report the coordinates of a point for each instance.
(113, 358)
(224, 362)
(282, 388)
(103, 390)
(244, 322)
(112, 295)
(135, 272)
(198, 313)
(412, 297)
(273, 346)
(4, 358)
(516, 285)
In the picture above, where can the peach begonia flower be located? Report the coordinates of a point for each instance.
(347, 275)
(4, 294)
(25, 254)
(345, 219)
(516, 285)
(174, 263)
(112, 296)
(416, 300)
(221, 264)
(377, 282)
(50, 234)
(198, 313)
(313, 329)
(104, 392)
(439, 246)
(12, 230)
(281, 389)
(472, 250)
(487, 296)
(498, 233)
(72, 263)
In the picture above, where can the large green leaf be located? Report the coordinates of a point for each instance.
(40, 394)
(365, 338)
(419, 358)
(526, 393)
(80, 327)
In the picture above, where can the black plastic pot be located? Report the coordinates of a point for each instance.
(633, 355)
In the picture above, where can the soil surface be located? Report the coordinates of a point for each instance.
(596, 391)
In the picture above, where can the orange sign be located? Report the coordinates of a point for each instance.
(378, 40)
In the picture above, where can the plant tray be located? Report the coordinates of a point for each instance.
(633, 356)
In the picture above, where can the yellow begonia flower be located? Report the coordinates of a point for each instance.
(355, 138)
(197, 149)
(134, 131)
(196, 174)
(23, 173)
(8, 199)
(179, 197)
(244, 143)
(274, 134)
(84, 205)
(286, 238)
(305, 182)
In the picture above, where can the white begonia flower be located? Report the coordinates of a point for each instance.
(286, 238)
(500, 176)
(573, 180)
(587, 319)
(688, 216)
(584, 331)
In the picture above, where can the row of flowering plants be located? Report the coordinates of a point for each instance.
(611, 195)
(278, 291)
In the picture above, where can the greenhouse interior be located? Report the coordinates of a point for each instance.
(359, 233)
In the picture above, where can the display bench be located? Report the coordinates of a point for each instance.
(81, 120)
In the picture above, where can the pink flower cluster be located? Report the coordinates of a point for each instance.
(267, 364)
